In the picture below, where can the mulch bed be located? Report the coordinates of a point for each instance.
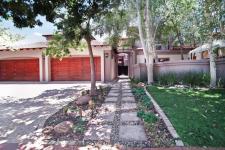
(88, 112)
(157, 133)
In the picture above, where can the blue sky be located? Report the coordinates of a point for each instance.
(31, 35)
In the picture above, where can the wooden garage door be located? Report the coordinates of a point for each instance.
(19, 70)
(74, 69)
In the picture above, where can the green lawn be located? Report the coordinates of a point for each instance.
(197, 115)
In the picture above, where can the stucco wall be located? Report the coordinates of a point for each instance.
(139, 71)
(21, 54)
(180, 67)
(110, 65)
(172, 57)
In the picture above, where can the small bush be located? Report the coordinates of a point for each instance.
(144, 105)
(167, 79)
(148, 117)
(189, 78)
(136, 81)
(79, 127)
(220, 83)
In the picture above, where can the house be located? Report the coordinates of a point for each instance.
(28, 63)
(201, 52)
(135, 60)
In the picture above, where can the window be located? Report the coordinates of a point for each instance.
(163, 59)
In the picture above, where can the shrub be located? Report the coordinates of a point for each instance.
(148, 117)
(145, 106)
(220, 83)
(189, 78)
(167, 79)
(136, 81)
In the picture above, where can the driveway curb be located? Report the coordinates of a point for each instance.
(165, 119)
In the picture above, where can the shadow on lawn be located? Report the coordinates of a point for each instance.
(21, 119)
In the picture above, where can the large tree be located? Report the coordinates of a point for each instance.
(73, 18)
(7, 39)
(176, 17)
(148, 20)
(212, 23)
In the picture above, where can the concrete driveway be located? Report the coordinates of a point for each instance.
(25, 107)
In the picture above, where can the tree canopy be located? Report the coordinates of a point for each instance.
(73, 18)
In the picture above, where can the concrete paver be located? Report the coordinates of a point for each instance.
(117, 118)
(128, 106)
(129, 116)
(132, 132)
(127, 94)
(128, 99)
(111, 99)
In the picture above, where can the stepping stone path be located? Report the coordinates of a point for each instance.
(117, 121)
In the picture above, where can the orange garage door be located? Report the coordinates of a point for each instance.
(19, 70)
(74, 69)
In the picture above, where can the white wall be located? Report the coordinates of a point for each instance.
(172, 57)
(97, 51)
(140, 59)
(20, 54)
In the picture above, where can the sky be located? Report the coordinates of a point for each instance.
(31, 35)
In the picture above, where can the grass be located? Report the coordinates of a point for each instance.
(197, 115)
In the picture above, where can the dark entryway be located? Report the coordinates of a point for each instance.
(122, 64)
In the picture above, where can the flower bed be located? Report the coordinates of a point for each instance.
(155, 128)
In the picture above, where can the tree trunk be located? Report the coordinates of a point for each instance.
(92, 64)
(181, 41)
(149, 64)
(150, 33)
(212, 63)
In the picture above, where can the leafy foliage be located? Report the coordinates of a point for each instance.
(144, 106)
(80, 126)
(59, 47)
(189, 78)
(148, 117)
(7, 38)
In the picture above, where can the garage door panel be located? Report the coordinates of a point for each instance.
(19, 70)
(75, 68)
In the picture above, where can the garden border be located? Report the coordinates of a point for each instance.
(165, 119)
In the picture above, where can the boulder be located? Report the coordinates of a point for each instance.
(140, 84)
(72, 112)
(83, 100)
(63, 127)
(48, 130)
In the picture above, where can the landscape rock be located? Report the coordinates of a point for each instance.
(140, 84)
(63, 127)
(48, 130)
(72, 113)
(83, 100)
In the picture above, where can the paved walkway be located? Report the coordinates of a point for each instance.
(117, 121)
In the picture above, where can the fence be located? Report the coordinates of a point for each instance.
(182, 66)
